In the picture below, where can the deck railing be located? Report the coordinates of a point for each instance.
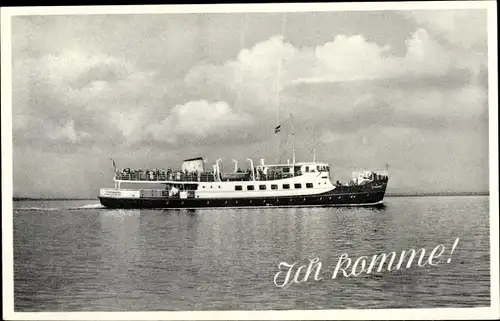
(197, 177)
(177, 176)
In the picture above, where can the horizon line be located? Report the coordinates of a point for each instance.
(390, 194)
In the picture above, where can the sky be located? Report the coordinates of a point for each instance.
(366, 89)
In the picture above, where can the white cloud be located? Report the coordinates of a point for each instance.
(199, 119)
(348, 58)
(101, 93)
(255, 70)
(466, 28)
(354, 58)
(254, 73)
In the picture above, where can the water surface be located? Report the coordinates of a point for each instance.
(77, 256)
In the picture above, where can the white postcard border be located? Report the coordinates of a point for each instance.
(376, 314)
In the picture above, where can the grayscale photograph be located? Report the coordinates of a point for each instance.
(246, 159)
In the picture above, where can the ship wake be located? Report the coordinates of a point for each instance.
(84, 207)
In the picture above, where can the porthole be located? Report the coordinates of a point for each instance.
(225, 202)
(320, 198)
(208, 202)
(339, 197)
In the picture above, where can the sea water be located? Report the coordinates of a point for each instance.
(78, 256)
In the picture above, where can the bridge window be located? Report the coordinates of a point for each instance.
(307, 169)
(286, 170)
(274, 186)
(238, 188)
(262, 187)
(297, 185)
(309, 185)
(250, 187)
(286, 186)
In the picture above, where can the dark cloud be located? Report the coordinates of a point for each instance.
(452, 79)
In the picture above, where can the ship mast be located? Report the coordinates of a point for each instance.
(278, 78)
(314, 145)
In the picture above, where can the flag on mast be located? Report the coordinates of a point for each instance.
(277, 129)
(114, 165)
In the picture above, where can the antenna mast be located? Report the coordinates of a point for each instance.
(293, 137)
(314, 145)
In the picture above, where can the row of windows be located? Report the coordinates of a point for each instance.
(273, 186)
(307, 169)
(319, 168)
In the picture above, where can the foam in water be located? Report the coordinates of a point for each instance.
(37, 209)
(90, 206)
(84, 207)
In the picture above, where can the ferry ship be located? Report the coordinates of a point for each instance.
(291, 184)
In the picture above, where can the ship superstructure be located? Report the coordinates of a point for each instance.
(290, 184)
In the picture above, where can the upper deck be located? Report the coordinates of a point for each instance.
(260, 172)
(263, 172)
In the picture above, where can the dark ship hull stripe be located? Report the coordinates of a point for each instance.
(372, 198)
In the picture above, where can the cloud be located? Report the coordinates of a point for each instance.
(254, 73)
(354, 58)
(398, 85)
(352, 83)
(197, 120)
(346, 58)
(64, 97)
(464, 28)
(350, 78)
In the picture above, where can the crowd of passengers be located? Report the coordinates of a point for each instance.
(161, 175)
(171, 175)
(240, 175)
